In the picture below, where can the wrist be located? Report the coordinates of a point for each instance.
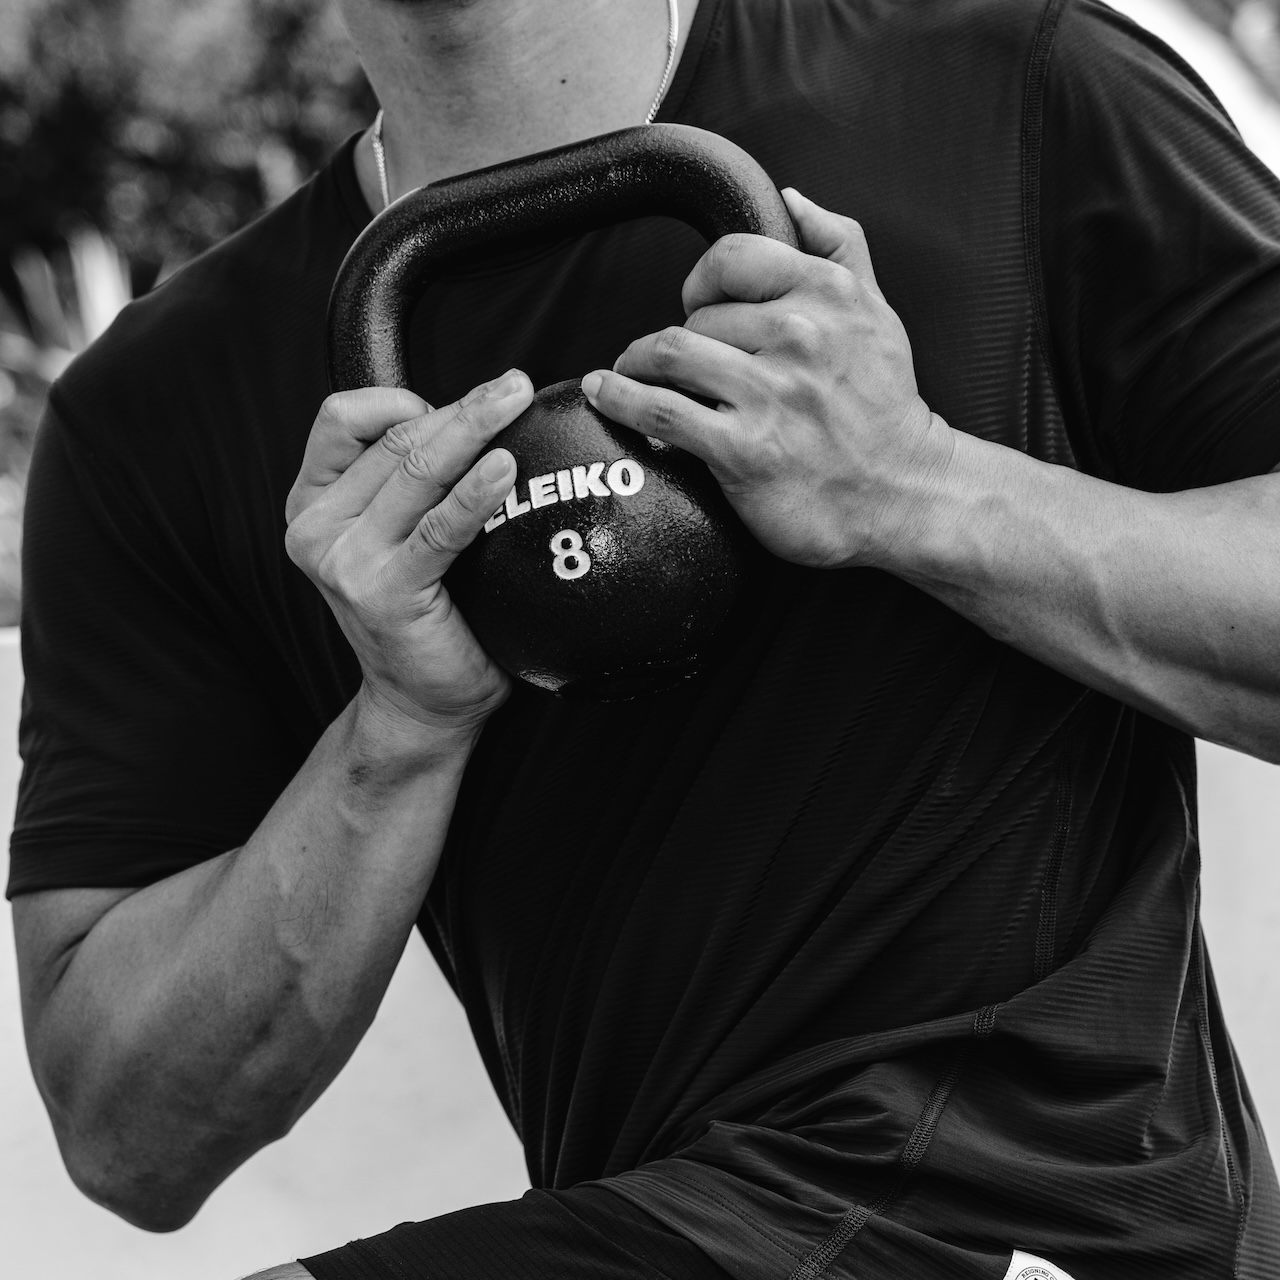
(966, 506)
(917, 498)
(386, 738)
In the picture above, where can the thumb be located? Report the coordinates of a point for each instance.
(831, 235)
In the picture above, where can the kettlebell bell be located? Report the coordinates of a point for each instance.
(615, 562)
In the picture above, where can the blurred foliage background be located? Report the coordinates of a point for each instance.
(136, 133)
(133, 135)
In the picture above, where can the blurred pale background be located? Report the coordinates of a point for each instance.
(411, 1128)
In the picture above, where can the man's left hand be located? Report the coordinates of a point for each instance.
(821, 441)
(819, 436)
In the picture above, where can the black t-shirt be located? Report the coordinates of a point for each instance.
(878, 945)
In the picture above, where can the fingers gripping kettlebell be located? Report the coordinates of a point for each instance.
(614, 562)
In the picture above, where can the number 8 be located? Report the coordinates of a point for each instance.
(569, 560)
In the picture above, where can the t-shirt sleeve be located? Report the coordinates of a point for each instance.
(1160, 243)
(147, 744)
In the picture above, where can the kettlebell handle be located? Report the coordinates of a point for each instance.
(667, 170)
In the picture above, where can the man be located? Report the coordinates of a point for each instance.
(875, 951)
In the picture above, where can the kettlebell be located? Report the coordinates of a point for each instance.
(616, 562)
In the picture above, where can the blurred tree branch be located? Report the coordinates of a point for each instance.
(167, 124)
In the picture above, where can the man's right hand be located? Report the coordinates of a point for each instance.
(386, 499)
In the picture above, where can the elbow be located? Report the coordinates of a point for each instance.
(143, 1197)
(152, 1171)
(155, 1176)
(152, 1165)
(151, 1159)
(108, 1158)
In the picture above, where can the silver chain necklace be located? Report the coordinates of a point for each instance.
(673, 37)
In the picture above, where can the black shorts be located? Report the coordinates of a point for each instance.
(586, 1232)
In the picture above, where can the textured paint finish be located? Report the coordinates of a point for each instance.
(633, 593)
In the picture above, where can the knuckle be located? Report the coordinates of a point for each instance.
(725, 252)
(333, 409)
(294, 505)
(417, 464)
(328, 573)
(328, 564)
(400, 439)
(659, 411)
(479, 420)
(842, 284)
(295, 544)
(799, 333)
(302, 542)
(468, 412)
(668, 344)
(347, 581)
(635, 354)
(698, 320)
(475, 418)
(433, 533)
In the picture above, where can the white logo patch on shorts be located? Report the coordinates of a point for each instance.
(1026, 1266)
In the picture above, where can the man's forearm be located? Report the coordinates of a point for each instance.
(1169, 602)
(199, 1017)
(805, 406)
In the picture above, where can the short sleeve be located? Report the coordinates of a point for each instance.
(1160, 245)
(147, 745)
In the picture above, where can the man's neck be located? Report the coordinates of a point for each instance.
(468, 83)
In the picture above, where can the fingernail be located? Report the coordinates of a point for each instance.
(495, 466)
(591, 385)
(510, 384)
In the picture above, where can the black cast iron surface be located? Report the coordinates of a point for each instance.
(668, 563)
(670, 170)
